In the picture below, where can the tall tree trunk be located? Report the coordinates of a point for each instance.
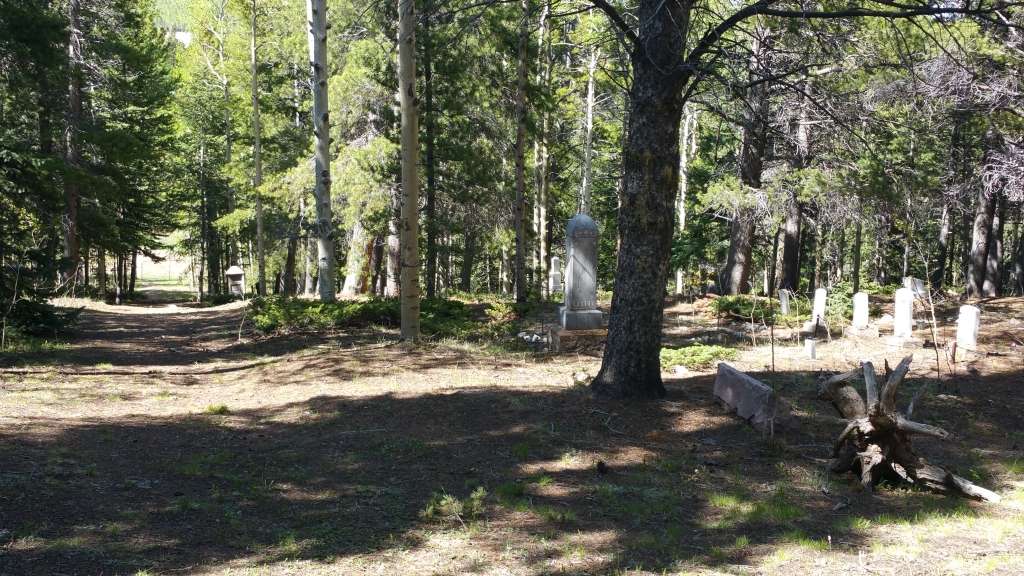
(631, 366)
(736, 276)
(356, 264)
(520, 152)
(939, 271)
(468, 257)
(101, 271)
(257, 155)
(134, 272)
(791, 245)
(410, 178)
(540, 151)
(324, 228)
(857, 244)
(393, 249)
(983, 216)
(993, 268)
(588, 135)
(687, 150)
(72, 149)
(430, 208)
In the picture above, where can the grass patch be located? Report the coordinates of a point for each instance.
(695, 357)
(218, 410)
(444, 506)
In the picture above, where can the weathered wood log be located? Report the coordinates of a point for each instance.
(838, 390)
(876, 442)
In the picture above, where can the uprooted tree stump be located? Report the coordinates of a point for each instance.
(877, 439)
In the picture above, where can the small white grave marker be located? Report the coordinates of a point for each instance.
(903, 318)
(967, 325)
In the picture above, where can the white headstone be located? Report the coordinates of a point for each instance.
(784, 301)
(903, 317)
(818, 311)
(967, 325)
(860, 310)
(555, 275)
(916, 285)
(811, 348)
(580, 309)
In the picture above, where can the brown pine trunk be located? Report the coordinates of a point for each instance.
(430, 206)
(468, 257)
(72, 150)
(983, 215)
(631, 366)
(993, 268)
(736, 276)
(857, 243)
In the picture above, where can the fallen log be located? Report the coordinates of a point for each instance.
(876, 442)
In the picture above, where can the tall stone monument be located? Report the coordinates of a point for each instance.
(580, 309)
(784, 301)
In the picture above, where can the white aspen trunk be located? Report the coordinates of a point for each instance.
(588, 135)
(316, 13)
(540, 151)
(687, 149)
(410, 289)
(520, 169)
(257, 160)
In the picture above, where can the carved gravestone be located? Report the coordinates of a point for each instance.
(555, 276)
(916, 286)
(580, 309)
(784, 301)
(860, 310)
(967, 325)
(903, 316)
(818, 311)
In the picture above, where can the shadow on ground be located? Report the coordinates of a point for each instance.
(333, 478)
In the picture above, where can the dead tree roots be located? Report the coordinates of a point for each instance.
(876, 442)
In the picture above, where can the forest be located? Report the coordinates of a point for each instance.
(330, 175)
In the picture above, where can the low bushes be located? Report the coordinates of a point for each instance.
(438, 318)
(695, 357)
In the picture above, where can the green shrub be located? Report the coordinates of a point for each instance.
(40, 319)
(438, 317)
(695, 357)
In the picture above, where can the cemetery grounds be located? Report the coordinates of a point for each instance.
(169, 440)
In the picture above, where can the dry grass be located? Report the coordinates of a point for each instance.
(159, 444)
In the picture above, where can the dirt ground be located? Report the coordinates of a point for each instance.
(166, 440)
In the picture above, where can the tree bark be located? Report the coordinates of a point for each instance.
(72, 148)
(791, 245)
(540, 151)
(631, 366)
(939, 271)
(588, 135)
(993, 267)
(410, 296)
(257, 154)
(430, 208)
(857, 240)
(736, 276)
(468, 258)
(393, 249)
(356, 264)
(983, 216)
(324, 229)
(520, 152)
